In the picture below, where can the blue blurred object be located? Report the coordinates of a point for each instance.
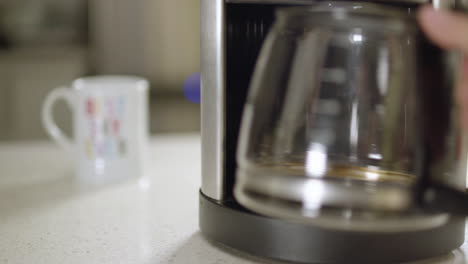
(192, 88)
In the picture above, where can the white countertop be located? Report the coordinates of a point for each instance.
(46, 217)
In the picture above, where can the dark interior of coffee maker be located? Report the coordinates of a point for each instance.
(247, 26)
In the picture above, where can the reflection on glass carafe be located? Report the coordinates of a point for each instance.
(333, 132)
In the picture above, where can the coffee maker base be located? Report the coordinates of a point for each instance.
(230, 224)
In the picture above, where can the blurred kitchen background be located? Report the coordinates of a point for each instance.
(48, 43)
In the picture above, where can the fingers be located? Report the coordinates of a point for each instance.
(447, 29)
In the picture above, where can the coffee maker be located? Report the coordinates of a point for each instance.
(233, 32)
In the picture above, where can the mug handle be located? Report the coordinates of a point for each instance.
(47, 118)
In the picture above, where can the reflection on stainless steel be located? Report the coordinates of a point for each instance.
(213, 81)
(346, 130)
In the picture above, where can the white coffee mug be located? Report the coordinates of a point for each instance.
(110, 119)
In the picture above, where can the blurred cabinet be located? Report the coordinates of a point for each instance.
(173, 40)
(155, 39)
(27, 75)
(5, 84)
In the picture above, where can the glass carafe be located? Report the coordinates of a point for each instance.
(348, 107)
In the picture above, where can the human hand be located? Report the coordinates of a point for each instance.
(449, 30)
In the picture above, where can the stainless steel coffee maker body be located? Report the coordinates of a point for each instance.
(233, 33)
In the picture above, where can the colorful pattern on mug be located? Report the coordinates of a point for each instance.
(104, 137)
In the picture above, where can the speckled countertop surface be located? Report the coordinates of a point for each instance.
(46, 217)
